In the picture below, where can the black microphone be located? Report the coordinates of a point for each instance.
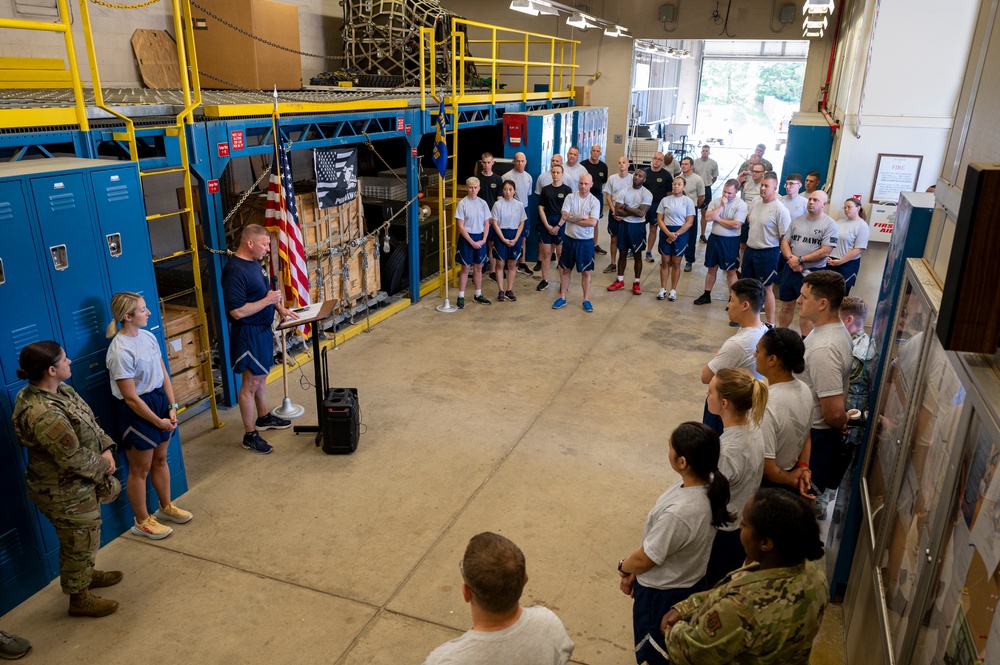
(274, 282)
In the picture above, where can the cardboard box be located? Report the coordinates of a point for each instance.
(582, 95)
(228, 54)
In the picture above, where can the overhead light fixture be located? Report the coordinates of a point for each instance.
(581, 21)
(545, 8)
(814, 24)
(524, 6)
(817, 7)
(616, 31)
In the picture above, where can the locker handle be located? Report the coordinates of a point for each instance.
(3, 277)
(60, 259)
(114, 244)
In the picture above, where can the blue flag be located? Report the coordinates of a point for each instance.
(440, 145)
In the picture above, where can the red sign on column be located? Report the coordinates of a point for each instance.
(213, 186)
(236, 138)
(223, 150)
(399, 124)
(413, 152)
(409, 128)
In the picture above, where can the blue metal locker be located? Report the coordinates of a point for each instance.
(79, 229)
(538, 143)
(74, 266)
(121, 217)
(25, 313)
(22, 568)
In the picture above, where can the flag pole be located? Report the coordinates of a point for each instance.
(441, 156)
(287, 409)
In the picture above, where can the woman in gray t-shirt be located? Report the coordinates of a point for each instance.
(739, 399)
(147, 412)
(677, 537)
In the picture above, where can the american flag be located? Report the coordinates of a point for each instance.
(282, 218)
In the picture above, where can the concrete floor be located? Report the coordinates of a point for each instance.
(547, 426)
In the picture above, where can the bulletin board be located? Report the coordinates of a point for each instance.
(895, 174)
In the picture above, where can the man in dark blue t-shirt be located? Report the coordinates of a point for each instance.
(250, 305)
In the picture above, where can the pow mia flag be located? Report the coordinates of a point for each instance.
(336, 175)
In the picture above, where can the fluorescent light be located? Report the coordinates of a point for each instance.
(817, 7)
(581, 21)
(524, 6)
(617, 31)
(814, 24)
(544, 7)
(817, 33)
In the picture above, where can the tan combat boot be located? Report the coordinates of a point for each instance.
(86, 604)
(102, 578)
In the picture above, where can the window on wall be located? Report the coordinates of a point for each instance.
(655, 86)
(747, 93)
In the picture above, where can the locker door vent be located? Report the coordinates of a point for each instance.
(11, 548)
(22, 337)
(117, 193)
(86, 322)
(60, 202)
(6, 211)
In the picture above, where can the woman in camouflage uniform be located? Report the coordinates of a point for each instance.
(70, 462)
(768, 611)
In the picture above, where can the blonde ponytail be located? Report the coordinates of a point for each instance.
(122, 303)
(747, 394)
(759, 401)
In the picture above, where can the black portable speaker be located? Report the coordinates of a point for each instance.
(341, 421)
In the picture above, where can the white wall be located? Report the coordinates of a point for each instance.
(319, 23)
(918, 59)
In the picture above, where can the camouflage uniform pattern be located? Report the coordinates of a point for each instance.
(752, 617)
(65, 474)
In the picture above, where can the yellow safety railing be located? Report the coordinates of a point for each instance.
(505, 50)
(24, 72)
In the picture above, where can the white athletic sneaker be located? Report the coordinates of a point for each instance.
(672, 296)
(662, 294)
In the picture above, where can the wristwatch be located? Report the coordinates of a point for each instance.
(174, 406)
(620, 567)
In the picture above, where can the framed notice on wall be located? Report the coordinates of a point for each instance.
(895, 174)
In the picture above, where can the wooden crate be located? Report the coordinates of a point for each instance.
(185, 351)
(362, 279)
(178, 318)
(321, 228)
(326, 275)
(189, 386)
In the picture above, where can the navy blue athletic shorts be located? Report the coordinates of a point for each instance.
(791, 284)
(467, 255)
(578, 254)
(502, 252)
(723, 251)
(137, 433)
(675, 248)
(251, 347)
(632, 237)
(648, 607)
(761, 264)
